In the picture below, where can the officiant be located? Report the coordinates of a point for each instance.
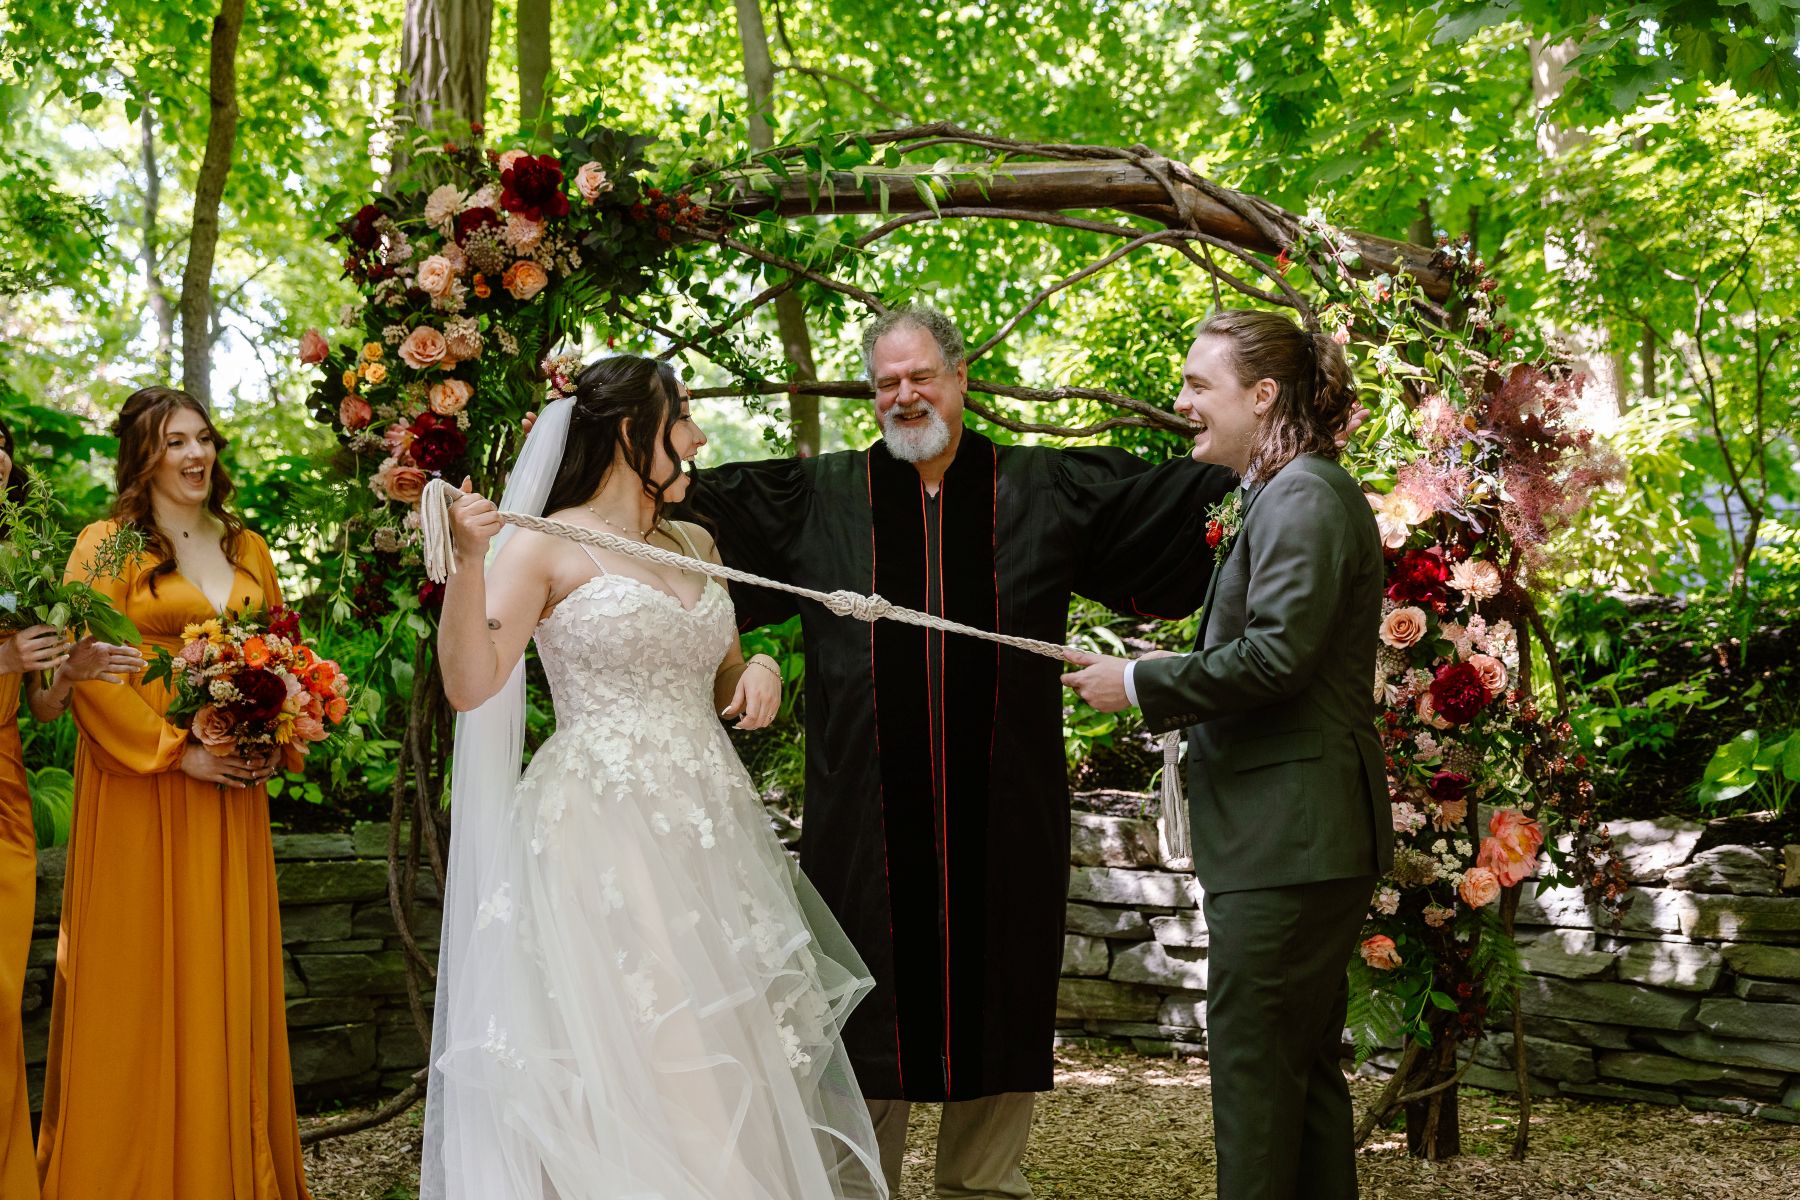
(937, 800)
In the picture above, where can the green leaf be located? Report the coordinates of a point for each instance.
(1790, 758)
(52, 805)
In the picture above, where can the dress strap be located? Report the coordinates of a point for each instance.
(593, 558)
(687, 547)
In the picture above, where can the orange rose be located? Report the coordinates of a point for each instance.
(212, 728)
(400, 482)
(1380, 952)
(375, 374)
(451, 396)
(1403, 627)
(524, 279)
(1479, 887)
(482, 290)
(1511, 850)
(1492, 672)
(373, 351)
(423, 348)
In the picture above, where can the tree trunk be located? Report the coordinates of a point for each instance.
(160, 308)
(209, 190)
(790, 314)
(534, 65)
(444, 47)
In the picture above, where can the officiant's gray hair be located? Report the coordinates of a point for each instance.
(942, 329)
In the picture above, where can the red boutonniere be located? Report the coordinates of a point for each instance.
(1223, 520)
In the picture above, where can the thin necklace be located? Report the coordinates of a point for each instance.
(643, 534)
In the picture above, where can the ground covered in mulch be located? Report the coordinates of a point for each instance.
(1123, 1126)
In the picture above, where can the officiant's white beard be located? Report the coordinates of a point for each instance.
(915, 443)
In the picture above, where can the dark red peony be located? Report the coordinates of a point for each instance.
(1418, 576)
(284, 622)
(262, 693)
(361, 230)
(533, 188)
(431, 595)
(471, 219)
(437, 443)
(1457, 693)
(1446, 787)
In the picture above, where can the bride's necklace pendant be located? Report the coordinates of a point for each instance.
(642, 535)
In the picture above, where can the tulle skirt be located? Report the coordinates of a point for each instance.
(652, 993)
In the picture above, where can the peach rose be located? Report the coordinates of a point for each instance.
(1479, 887)
(436, 277)
(522, 233)
(313, 348)
(423, 348)
(1428, 714)
(1476, 578)
(524, 279)
(1492, 672)
(212, 728)
(451, 396)
(591, 181)
(374, 374)
(309, 729)
(1403, 627)
(400, 482)
(1511, 849)
(1380, 952)
(509, 158)
(354, 412)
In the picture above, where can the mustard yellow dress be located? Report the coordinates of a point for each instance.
(18, 894)
(168, 1074)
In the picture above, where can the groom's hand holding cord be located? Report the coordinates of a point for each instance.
(1101, 680)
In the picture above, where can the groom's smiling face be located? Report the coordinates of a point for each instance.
(1228, 412)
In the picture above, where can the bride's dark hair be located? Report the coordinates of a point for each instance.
(626, 405)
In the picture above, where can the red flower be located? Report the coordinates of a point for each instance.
(431, 595)
(1418, 576)
(1215, 533)
(262, 693)
(1448, 786)
(532, 187)
(360, 229)
(1457, 693)
(471, 219)
(284, 622)
(438, 448)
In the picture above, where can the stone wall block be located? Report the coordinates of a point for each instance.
(1543, 1058)
(382, 973)
(1748, 1019)
(1176, 967)
(315, 922)
(1137, 889)
(1677, 965)
(1738, 870)
(334, 1052)
(1607, 1003)
(327, 882)
(1568, 954)
(1099, 841)
(1126, 924)
(1084, 955)
(1187, 929)
(1106, 1000)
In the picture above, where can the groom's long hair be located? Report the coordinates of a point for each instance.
(1317, 388)
(624, 405)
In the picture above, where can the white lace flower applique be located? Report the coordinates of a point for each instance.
(660, 823)
(611, 898)
(702, 825)
(497, 907)
(498, 1046)
(642, 990)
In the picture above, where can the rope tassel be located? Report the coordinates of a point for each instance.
(1176, 846)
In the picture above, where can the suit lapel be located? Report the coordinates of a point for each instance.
(1212, 585)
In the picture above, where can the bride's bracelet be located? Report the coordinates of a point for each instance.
(767, 663)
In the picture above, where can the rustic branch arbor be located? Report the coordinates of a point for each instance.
(1129, 194)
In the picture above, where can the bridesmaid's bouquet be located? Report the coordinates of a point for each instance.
(33, 549)
(251, 682)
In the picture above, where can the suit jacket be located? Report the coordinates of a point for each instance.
(1286, 778)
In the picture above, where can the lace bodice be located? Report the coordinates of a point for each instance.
(618, 648)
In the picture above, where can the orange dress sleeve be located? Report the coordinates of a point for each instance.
(126, 734)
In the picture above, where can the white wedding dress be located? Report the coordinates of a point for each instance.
(648, 1002)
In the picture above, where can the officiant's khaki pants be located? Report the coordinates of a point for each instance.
(979, 1147)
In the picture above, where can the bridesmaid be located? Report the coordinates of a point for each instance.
(168, 1075)
(28, 652)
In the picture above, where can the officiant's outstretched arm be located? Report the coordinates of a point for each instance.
(1287, 788)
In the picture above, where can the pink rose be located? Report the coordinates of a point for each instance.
(1380, 952)
(313, 348)
(1511, 850)
(451, 396)
(309, 729)
(522, 233)
(400, 482)
(591, 181)
(212, 728)
(423, 348)
(524, 279)
(1428, 713)
(193, 653)
(436, 278)
(1403, 627)
(1492, 672)
(509, 158)
(1479, 887)
(354, 412)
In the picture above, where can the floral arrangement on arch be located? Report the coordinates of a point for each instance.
(1485, 462)
(464, 268)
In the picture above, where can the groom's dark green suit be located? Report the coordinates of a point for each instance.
(1289, 805)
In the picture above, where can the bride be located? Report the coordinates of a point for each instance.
(638, 995)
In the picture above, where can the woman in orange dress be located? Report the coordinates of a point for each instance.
(33, 653)
(168, 1075)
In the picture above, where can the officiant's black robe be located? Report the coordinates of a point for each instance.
(936, 820)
